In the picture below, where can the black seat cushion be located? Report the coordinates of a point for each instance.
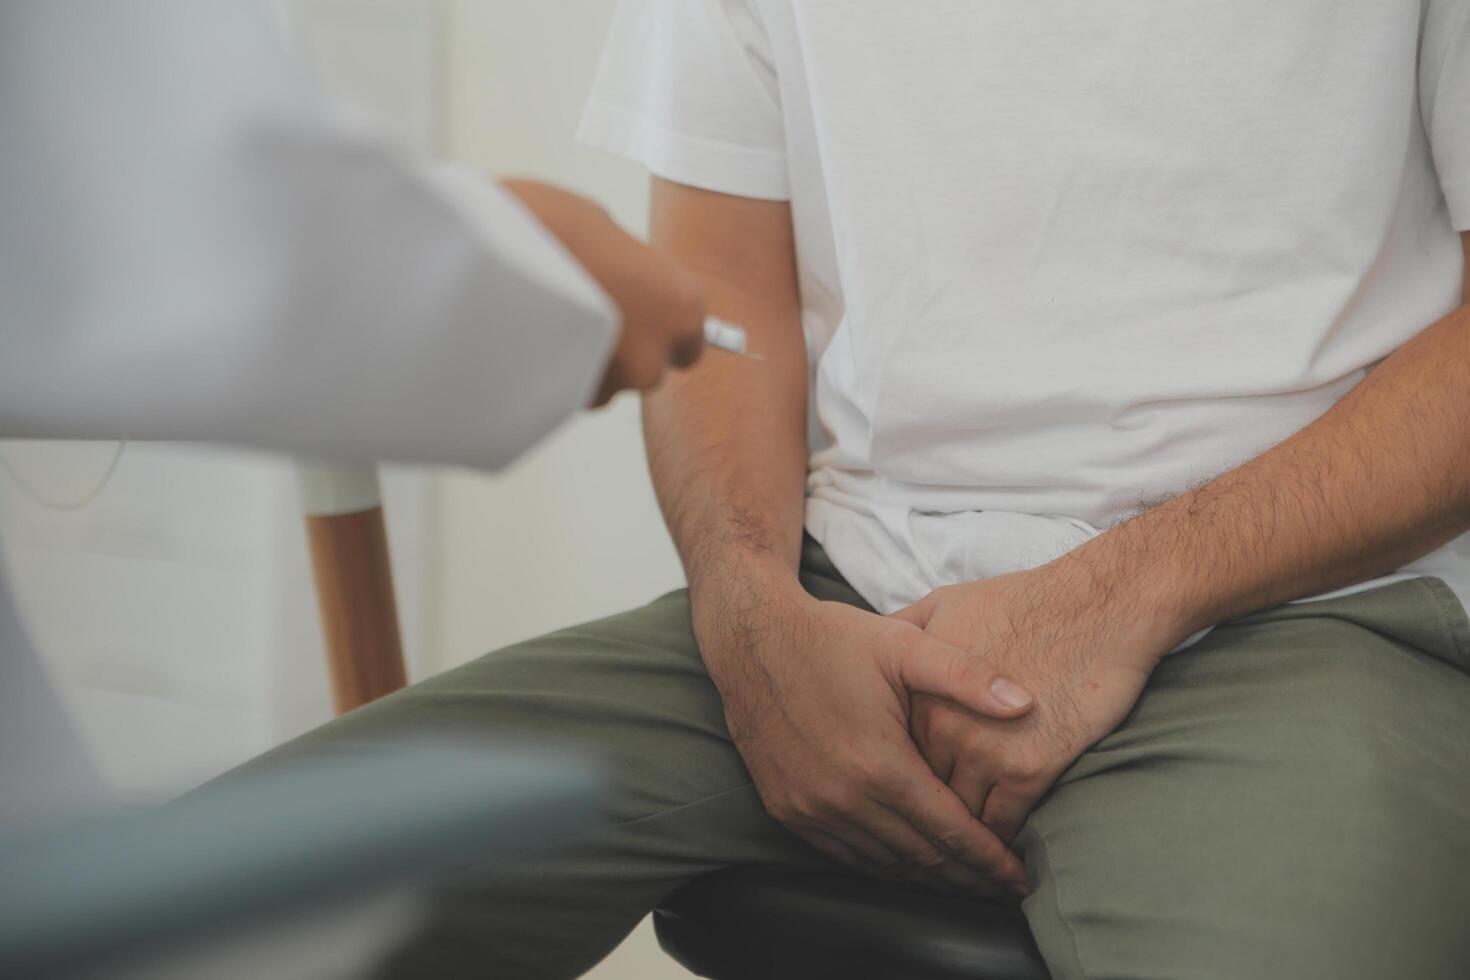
(760, 923)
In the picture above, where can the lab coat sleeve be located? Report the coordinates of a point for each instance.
(194, 246)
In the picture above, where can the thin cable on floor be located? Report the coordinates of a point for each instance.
(50, 503)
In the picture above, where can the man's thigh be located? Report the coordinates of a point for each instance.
(1290, 798)
(632, 691)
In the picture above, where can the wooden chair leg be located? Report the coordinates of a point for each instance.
(354, 582)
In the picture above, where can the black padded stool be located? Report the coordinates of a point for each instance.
(766, 924)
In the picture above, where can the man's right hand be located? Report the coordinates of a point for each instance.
(816, 698)
(662, 304)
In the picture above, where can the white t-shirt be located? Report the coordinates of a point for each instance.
(1061, 260)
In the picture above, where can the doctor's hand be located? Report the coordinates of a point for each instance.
(662, 304)
(816, 697)
(1082, 648)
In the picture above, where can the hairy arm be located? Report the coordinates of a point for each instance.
(1381, 479)
(727, 440)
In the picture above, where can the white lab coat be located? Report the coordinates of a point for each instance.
(193, 246)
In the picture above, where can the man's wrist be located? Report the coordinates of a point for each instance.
(724, 584)
(738, 594)
(1139, 587)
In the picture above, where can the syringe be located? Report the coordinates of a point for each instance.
(726, 336)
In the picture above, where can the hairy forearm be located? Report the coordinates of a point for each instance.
(727, 441)
(1379, 480)
(727, 450)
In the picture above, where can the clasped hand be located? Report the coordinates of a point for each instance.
(1084, 651)
(879, 740)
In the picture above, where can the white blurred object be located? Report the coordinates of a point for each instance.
(329, 489)
(358, 307)
(343, 944)
(725, 336)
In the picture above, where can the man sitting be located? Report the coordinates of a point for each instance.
(1098, 339)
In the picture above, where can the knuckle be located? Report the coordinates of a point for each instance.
(956, 667)
(875, 781)
(782, 807)
(930, 859)
(814, 805)
(945, 594)
(867, 774)
(1023, 769)
(976, 747)
(964, 670)
(927, 730)
(856, 767)
(782, 813)
(951, 841)
(1005, 829)
(840, 801)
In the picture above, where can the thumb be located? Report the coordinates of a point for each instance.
(917, 614)
(929, 666)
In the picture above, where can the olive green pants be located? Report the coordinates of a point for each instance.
(1289, 799)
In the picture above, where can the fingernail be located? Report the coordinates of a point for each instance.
(1009, 693)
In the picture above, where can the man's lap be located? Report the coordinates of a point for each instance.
(1290, 797)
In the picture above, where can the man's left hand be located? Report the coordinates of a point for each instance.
(1082, 647)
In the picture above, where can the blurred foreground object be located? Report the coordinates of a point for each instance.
(311, 869)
